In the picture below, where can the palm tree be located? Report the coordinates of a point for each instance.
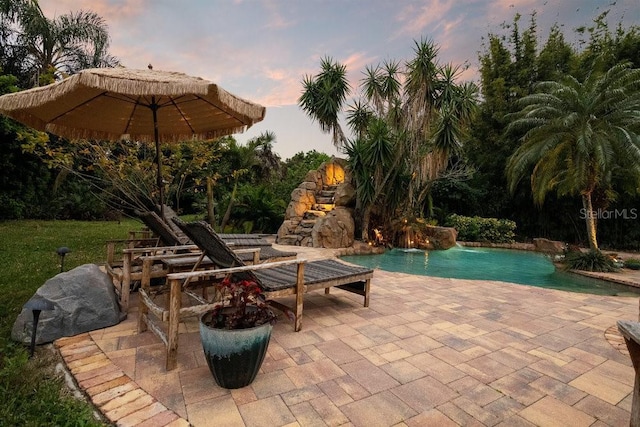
(376, 154)
(323, 97)
(58, 46)
(267, 163)
(436, 112)
(577, 136)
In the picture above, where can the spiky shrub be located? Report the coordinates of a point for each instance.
(632, 263)
(594, 260)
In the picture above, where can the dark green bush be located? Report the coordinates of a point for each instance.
(632, 263)
(594, 260)
(478, 229)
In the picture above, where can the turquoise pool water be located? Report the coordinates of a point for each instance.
(523, 267)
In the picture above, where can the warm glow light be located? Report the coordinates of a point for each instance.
(334, 174)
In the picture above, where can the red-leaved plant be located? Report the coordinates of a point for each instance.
(243, 306)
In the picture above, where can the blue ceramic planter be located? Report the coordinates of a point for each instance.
(234, 356)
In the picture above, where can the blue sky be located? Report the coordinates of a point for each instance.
(261, 49)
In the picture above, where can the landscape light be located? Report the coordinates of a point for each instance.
(36, 304)
(62, 251)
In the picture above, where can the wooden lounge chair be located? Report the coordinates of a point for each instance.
(235, 240)
(277, 279)
(142, 260)
(173, 236)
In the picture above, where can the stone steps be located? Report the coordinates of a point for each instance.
(301, 232)
(324, 200)
(290, 239)
(313, 214)
(326, 193)
(323, 207)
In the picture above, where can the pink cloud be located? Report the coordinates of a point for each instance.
(357, 61)
(415, 20)
(111, 10)
(276, 74)
(276, 20)
(284, 87)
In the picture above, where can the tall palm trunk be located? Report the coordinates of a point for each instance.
(210, 208)
(590, 218)
(366, 219)
(232, 201)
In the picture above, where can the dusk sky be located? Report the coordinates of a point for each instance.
(261, 49)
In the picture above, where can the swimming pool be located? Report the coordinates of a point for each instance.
(522, 267)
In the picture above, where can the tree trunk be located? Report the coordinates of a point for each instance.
(227, 214)
(590, 218)
(211, 217)
(366, 217)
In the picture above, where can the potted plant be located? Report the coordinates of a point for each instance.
(235, 335)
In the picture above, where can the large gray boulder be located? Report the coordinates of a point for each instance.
(440, 237)
(83, 300)
(345, 195)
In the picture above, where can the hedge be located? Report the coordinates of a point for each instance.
(478, 229)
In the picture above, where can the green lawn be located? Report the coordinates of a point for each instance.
(31, 393)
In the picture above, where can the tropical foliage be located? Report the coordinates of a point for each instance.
(511, 66)
(239, 186)
(579, 136)
(411, 121)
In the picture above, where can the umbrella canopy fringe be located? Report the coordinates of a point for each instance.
(143, 82)
(130, 82)
(74, 133)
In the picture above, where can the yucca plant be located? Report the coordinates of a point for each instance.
(594, 260)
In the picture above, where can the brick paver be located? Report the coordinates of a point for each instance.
(427, 351)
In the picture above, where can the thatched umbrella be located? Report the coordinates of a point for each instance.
(142, 105)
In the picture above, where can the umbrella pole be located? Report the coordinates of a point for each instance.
(154, 110)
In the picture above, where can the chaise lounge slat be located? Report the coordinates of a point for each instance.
(315, 272)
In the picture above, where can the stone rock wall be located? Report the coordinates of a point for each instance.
(302, 200)
(335, 230)
(317, 215)
(345, 195)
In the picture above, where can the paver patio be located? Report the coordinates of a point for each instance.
(428, 351)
